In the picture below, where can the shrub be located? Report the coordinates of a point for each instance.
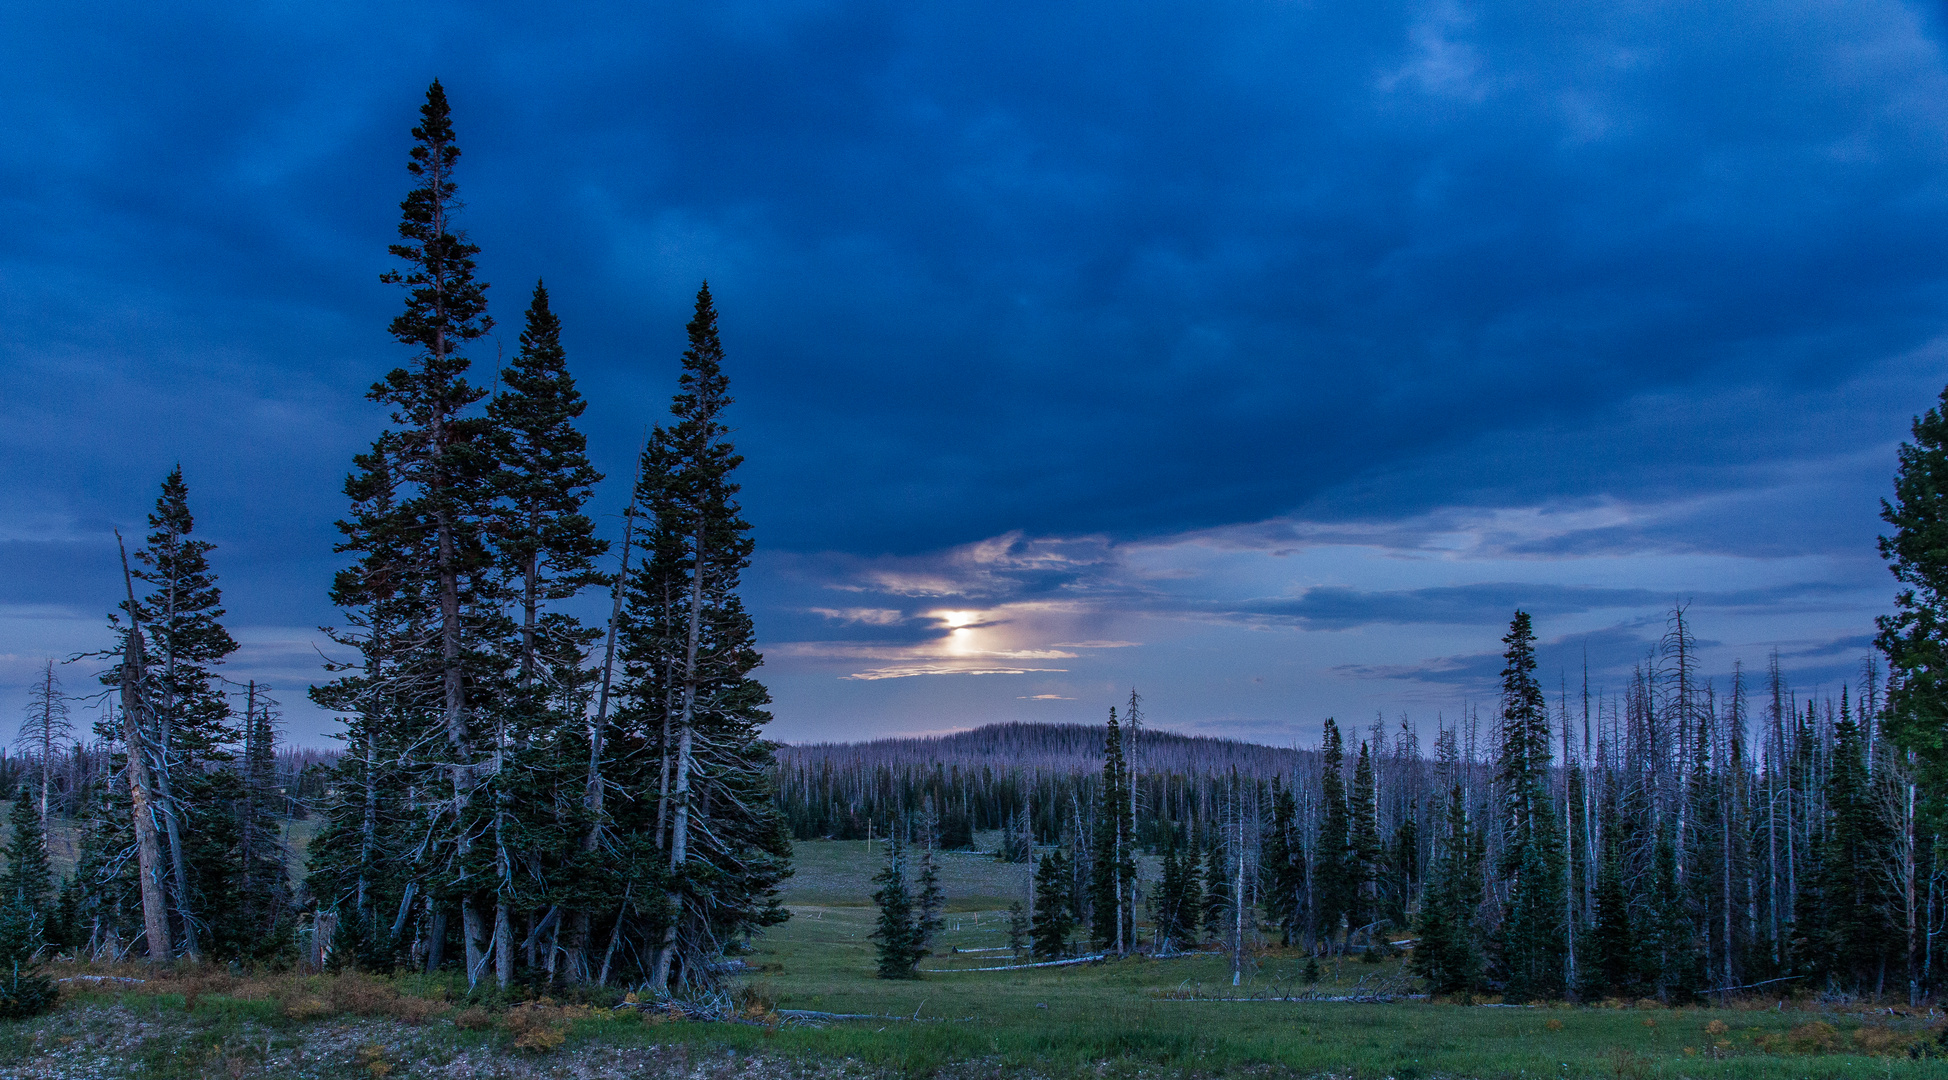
(474, 1019)
(542, 1025)
(1817, 1037)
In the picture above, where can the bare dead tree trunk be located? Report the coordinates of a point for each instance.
(148, 854)
(680, 795)
(165, 796)
(369, 824)
(593, 794)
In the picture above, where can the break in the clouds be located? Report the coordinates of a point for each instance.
(1235, 349)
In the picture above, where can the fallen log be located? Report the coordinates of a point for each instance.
(1019, 967)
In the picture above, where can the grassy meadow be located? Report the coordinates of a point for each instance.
(1137, 1017)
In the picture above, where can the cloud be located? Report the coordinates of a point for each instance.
(866, 616)
(941, 669)
(1019, 310)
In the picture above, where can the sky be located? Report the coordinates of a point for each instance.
(1263, 357)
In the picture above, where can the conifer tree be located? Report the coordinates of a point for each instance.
(1669, 952)
(1112, 887)
(263, 888)
(1335, 891)
(1448, 954)
(690, 700)
(1216, 888)
(1532, 938)
(1855, 928)
(1176, 902)
(176, 719)
(28, 879)
(1611, 964)
(442, 460)
(361, 862)
(898, 935)
(1363, 845)
(1915, 637)
(24, 991)
(1282, 859)
(1054, 917)
(931, 902)
(547, 550)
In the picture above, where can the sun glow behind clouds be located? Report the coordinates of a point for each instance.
(1288, 620)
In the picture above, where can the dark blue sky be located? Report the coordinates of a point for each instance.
(1264, 355)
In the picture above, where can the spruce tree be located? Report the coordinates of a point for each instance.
(547, 550)
(1915, 637)
(1282, 863)
(360, 864)
(1335, 890)
(1054, 917)
(1610, 965)
(441, 457)
(181, 720)
(1672, 964)
(1113, 922)
(691, 704)
(1448, 954)
(24, 991)
(1533, 949)
(28, 878)
(1363, 861)
(1854, 926)
(929, 904)
(1169, 912)
(1216, 889)
(897, 936)
(264, 887)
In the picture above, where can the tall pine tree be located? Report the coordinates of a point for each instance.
(1533, 949)
(719, 842)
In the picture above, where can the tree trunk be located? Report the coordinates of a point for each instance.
(593, 794)
(148, 855)
(680, 795)
(435, 936)
(474, 935)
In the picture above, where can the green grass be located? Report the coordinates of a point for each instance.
(1064, 1020)
(1135, 1017)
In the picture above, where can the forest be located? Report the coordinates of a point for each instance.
(1672, 841)
(519, 796)
(532, 805)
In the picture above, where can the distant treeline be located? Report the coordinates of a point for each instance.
(1675, 838)
(994, 776)
(299, 776)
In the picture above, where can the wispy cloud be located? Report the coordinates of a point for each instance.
(864, 616)
(909, 672)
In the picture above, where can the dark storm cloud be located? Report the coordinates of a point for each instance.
(1068, 269)
(1088, 270)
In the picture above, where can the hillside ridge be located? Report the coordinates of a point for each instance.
(1056, 747)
